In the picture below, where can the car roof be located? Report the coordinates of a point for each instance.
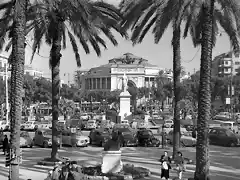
(218, 128)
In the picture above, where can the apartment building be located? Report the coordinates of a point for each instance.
(225, 64)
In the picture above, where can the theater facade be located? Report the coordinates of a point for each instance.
(139, 71)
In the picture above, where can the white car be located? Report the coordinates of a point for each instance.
(185, 140)
(4, 125)
(45, 125)
(91, 124)
(84, 116)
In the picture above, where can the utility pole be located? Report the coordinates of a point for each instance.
(6, 87)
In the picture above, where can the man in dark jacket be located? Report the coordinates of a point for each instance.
(5, 144)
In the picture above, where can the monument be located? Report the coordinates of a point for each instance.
(125, 99)
(111, 156)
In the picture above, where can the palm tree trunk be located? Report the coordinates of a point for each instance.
(176, 86)
(204, 101)
(55, 64)
(17, 73)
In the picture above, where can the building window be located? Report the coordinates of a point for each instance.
(108, 83)
(237, 63)
(98, 83)
(103, 83)
(94, 83)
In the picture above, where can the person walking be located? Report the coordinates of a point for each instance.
(180, 166)
(165, 165)
(5, 144)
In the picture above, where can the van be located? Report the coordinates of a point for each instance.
(230, 125)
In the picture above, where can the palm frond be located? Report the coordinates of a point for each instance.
(138, 27)
(165, 14)
(75, 48)
(6, 5)
(225, 20)
(63, 36)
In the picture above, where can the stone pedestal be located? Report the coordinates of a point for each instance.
(125, 104)
(111, 162)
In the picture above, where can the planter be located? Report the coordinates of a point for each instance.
(76, 172)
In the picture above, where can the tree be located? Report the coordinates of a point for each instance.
(17, 35)
(2, 91)
(82, 19)
(203, 20)
(140, 16)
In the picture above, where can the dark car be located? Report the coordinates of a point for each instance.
(146, 138)
(223, 137)
(99, 137)
(127, 136)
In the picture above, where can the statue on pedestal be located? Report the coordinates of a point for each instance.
(125, 82)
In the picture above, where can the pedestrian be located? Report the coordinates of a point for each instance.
(180, 166)
(5, 144)
(165, 165)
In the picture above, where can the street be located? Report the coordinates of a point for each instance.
(224, 161)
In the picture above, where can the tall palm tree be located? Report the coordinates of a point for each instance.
(83, 19)
(17, 70)
(203, 23)
(140, 16)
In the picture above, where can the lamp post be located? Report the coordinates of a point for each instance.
(6, 87)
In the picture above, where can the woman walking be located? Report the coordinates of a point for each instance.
(179, 160)
(165, 165)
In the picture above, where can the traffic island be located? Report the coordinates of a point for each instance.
(73, 171)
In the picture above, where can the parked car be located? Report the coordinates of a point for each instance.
(91, 124)
(43, 138)
(44, 125)
(25, 140)
(146, 138)
(230, 125)
(84, 116)
(186, 139)
(127, 136)
(74, 138)
(224, 137)
(99, 136)
(30, 125)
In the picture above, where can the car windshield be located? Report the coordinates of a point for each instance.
(229, 133)
(47, 132)
(168, 121)
(24, 134)
(28, 122)
(91, 122)
(146, 133)
(78, 133)
(123, 129)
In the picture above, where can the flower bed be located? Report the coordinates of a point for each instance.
(72, 171)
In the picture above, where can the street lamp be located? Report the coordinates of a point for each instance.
(6, 86)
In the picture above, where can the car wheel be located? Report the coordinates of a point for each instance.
(232, 144)
(90, 141)
(45, 144)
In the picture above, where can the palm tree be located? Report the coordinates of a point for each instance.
(17, 70)
(202, 23)
(82, 19)
(140, 16)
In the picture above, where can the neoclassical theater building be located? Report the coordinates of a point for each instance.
(139, 71)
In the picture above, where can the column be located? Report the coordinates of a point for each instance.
(100, 83)
(106, 83)
(148, 82)
(92, 83)
(96, 82)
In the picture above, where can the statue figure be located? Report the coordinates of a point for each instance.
(125, 82)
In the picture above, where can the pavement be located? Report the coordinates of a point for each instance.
(222, 165)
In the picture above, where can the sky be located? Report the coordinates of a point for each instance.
(158, 54)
